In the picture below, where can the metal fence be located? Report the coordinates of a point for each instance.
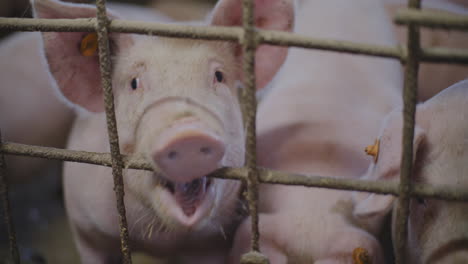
(249, 37)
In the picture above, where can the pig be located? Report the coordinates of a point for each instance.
(435, 77)
(43, 118)
(176, 106)
(317, 118)
(437, 229)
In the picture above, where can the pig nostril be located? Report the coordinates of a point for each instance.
(172, 155)
(205, 150)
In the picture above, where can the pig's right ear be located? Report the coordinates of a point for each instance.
(269, 15)
(386, 167)
(73, 57)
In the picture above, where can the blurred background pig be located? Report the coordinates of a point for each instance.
(321, 112)
(434, 77)
(438, 230)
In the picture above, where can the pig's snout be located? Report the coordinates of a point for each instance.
(189, 156)
(186, 153)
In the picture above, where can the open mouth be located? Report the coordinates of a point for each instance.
(188, 195)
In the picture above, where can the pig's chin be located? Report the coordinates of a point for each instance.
(186, 204)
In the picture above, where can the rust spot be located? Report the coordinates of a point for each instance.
(89, 45)
(373, 150)
(361, 256)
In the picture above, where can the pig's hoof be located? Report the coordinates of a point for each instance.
(361, 256)
(373, 150)
(254, 257)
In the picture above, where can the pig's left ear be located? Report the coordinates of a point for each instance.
(387, 167)
(270, 15)
(73, 56)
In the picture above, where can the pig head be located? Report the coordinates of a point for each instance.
(176, 105)
(438, 230)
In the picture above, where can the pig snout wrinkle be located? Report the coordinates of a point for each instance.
(189, 157)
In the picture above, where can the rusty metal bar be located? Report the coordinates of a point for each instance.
(436, 55)
(410, 95)
(14, 253)
(432, 19)
(266, 175)
(249, 46)
(117, 162)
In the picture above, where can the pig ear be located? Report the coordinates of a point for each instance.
(270, 15)
(78, 76)
(387, 167)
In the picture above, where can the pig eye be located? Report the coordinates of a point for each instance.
(134, 83)
(219, 76)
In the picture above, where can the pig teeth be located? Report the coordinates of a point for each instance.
(361, 256)
(373, 150)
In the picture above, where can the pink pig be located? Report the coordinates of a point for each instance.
(176, 104)
(438, 230)
(317, 119)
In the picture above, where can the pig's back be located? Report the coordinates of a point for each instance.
(330, 104)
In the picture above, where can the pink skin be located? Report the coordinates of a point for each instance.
(322, 111)
(434, 77)
(437, 229)
(176, 105)
(30, 110)
(43, 118)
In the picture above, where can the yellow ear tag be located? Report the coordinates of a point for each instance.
(373, 150)
(361, 256)
(89, 45)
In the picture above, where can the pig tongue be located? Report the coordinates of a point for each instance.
(189, 195)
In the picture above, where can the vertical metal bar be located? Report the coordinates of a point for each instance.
(14, 253)
(409, 98)
(117, 163)
(249, 46)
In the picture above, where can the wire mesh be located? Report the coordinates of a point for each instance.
(117, 163)
(410, 93)
(250, 38)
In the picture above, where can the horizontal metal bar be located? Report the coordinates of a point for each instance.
(432, 19)
(436, 55)
(443, 55)
(295, 40)
(266, 175)
(103, 159)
